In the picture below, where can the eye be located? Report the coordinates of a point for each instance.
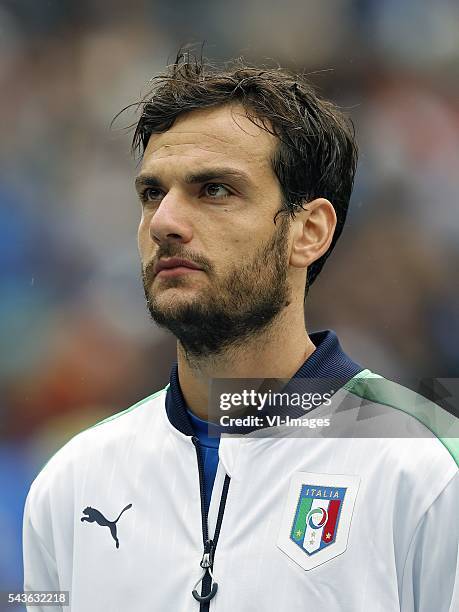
(216, 190)
(150, 195)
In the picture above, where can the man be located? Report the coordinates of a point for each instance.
(244, 186)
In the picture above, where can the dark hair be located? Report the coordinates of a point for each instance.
(317, 153)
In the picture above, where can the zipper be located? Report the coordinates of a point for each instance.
(209, 586)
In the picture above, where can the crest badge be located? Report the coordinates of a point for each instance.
(317, 517)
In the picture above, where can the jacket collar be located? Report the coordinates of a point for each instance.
(327, 361)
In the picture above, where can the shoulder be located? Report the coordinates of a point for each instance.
(401, 413)
(407, 449)
(97, 444)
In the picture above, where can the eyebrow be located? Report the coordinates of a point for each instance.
(151, 180)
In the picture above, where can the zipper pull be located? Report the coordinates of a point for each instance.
(207, 562)
(207, 558)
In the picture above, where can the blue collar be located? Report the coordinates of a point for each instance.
(327, 361)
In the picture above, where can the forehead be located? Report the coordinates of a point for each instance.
(222, 134)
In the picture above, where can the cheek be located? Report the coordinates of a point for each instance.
(238, 245)
(142, 237)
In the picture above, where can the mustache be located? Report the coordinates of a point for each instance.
(171, 250)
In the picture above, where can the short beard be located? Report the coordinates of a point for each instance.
(225, 315)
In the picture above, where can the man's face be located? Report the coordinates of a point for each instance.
(209, 196)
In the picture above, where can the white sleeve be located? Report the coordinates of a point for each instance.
(431, 574)
(40, 572)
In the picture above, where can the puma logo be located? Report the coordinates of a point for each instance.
(94, 516)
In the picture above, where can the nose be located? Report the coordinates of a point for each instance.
(170, 221)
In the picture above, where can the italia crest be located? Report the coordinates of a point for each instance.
(317, 517)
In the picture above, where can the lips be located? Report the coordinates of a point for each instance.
(174, 262)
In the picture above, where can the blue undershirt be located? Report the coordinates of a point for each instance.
(209, 450)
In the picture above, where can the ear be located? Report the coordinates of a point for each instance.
(313, 230)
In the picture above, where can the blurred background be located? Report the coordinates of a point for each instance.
(76, 341)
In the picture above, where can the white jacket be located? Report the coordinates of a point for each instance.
(395, 549)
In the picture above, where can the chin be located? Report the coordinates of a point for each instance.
(172, 292)
(170, 299)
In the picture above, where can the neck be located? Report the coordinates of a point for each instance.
(277, 352)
